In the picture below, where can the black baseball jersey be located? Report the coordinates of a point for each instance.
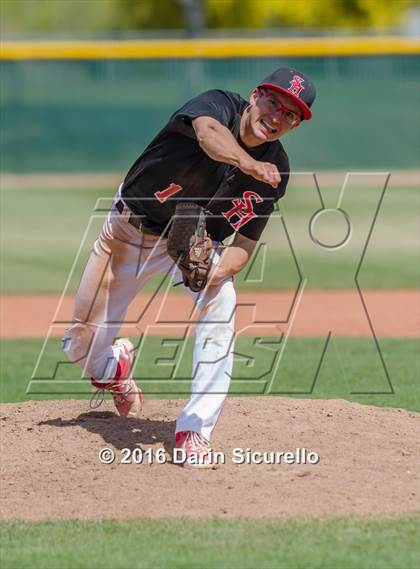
(174, 167)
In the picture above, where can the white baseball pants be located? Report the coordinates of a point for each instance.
(123, 259)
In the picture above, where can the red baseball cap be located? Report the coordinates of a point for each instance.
(295, 85)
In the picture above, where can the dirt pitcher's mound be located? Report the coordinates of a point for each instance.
(51, 469)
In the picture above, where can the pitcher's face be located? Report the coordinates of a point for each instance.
(269, 116)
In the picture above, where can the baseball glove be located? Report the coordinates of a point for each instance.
(189, 245)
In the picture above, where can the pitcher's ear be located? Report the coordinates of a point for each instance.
(255, 95)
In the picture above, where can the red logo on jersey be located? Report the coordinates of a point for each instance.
(165, 194)
(296, 85)
(243, 209)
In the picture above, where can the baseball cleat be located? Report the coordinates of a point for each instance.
(194, 449)
(127, 396)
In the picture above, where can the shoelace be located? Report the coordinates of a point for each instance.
(199, 443)
(99, 395)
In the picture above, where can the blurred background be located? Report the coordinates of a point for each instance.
(74, 101)
(87, 84)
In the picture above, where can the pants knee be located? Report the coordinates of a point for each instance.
(222, 307)
(228, 297)
(218, 318)
(77, 341)
(90, 351)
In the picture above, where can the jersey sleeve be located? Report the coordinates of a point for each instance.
(219, 105)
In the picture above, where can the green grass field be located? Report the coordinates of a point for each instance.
(295, 376)
(216, 543)
(42, 231)
(40, 235)
(229, 544)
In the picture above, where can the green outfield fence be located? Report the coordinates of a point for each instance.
(94, 106)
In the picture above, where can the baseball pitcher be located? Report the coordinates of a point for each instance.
(216, 169)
